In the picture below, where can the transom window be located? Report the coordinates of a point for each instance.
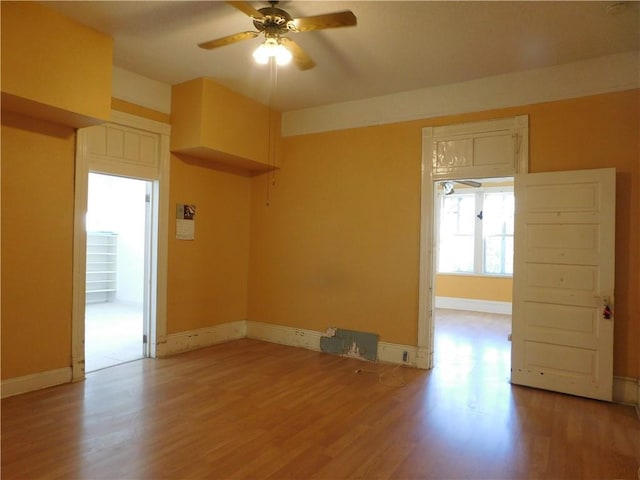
(476, 230)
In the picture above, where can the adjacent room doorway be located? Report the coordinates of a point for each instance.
(134, 150)
(117, 275)
(563, 256)
(473, 278)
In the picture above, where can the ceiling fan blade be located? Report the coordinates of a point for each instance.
(469, 183)
(247, 9)
(300, 58)
(221, 42)
(328, 20)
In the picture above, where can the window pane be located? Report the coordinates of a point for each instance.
(457, 228)
(456, 254)
(457, 214)
(498, 213)
(498, 254)
(508, 256)
(493, 254)
(497, 225)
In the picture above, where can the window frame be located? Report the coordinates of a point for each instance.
(478, 249)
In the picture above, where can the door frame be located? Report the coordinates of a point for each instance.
(463, 168)
(159, 176)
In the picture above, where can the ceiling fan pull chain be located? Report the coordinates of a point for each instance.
(271, 163)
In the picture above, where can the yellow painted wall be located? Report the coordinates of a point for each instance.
(339, 244)
(139, 111)
(207, 277)
(37, 245)
(212, 122)
(51, 61)
(477, 287)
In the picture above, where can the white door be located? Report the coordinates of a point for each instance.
(563, 280)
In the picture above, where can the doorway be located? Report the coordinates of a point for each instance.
(487, 149)
(117, 270)
(473, 276)
(135, 148)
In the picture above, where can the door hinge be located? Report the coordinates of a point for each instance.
(147, 198)
(144, 338)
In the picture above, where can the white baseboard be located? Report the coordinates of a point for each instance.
(394, 353)
(36, 381)
(202, 337)
(424, 359)
(310, 339)
(290, 336)
(626, 390)
(488, 306)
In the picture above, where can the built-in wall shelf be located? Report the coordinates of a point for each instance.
(102, 251)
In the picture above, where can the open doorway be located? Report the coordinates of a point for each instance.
(473, 276)
(118, 244)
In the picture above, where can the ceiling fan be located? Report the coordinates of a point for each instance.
(275, 23)
(447, 186)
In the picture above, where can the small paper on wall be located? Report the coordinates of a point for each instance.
(185, 221)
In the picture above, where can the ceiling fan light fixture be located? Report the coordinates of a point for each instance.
(272, 48)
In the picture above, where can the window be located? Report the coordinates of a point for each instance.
(476, 231)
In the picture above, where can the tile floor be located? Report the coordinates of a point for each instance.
(113, 334)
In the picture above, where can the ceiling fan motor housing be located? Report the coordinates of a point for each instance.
(275, 21)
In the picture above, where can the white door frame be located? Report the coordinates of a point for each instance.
(460, 165)
(159, 176)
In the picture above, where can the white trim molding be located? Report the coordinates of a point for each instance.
(394, 353)
(310, 339)
(474, 305)
(36, 381)
(290, 336)
(159, 174)
(626, 390)
(518, 129)
(613, 73)
(202, 337)
(267, 332)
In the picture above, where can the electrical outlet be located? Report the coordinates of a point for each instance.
(405, 356)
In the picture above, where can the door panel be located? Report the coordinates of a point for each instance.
(563, 276)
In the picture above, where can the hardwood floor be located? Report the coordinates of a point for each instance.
(248, 409)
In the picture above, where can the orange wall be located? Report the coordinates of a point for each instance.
(339, 244)
(37, 245)
(55, 62)
(498, 289)
(137, 110)
(212, 122)
(207, 277)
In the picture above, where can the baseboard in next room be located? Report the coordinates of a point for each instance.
(474, 305)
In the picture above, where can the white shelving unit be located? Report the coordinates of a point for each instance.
(102, 250)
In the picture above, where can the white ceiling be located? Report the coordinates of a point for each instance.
(396, 46)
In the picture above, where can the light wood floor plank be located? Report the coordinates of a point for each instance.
(253, 410)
